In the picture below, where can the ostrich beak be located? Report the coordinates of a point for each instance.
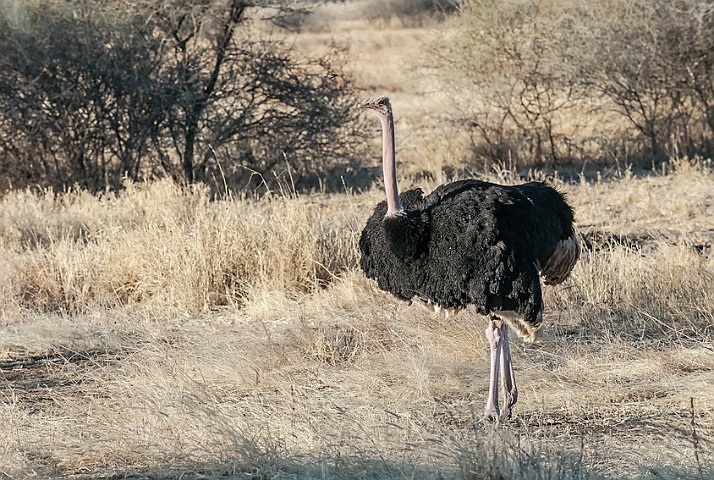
(363, 105)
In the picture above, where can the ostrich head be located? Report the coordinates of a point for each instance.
(383, 109)
(379, 105)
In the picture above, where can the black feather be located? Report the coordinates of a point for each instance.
(468, 242)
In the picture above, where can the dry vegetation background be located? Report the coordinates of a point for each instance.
(158, 333)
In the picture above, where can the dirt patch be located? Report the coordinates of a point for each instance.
(595, 240)
(41, 377)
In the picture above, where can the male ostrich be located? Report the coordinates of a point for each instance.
(471, 243)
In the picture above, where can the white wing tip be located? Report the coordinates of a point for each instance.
(562, 261)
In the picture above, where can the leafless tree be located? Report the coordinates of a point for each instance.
(506, 60)
(93, 92)
(525, 74)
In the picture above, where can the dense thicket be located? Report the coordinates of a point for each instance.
(93, 92)
(552, 82)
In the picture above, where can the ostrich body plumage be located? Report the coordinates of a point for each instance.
(471, 242)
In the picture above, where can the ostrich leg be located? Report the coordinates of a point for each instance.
(508, 379)
(494, 335)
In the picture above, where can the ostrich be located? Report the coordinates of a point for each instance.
(471, 242)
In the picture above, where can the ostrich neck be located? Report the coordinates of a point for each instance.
(389, 166)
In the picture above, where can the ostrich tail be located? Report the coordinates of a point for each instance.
(562, 261)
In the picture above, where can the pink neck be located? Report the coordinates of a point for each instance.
(389, 166)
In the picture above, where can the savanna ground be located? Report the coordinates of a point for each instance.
(157, 334)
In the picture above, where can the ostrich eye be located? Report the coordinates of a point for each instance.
(381, 102)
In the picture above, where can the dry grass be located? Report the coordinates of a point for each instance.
(156, 334)
(164, 245)
(281, 377)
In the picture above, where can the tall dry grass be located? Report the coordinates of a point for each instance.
(650, 263)
(167, 247)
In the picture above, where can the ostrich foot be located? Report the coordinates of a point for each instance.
(509, 399)
(491, 415)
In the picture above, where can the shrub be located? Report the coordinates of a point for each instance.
(93, 92)
(550, 82)
(505, 68)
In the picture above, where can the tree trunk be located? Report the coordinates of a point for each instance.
(235, 15)
(191, 129)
